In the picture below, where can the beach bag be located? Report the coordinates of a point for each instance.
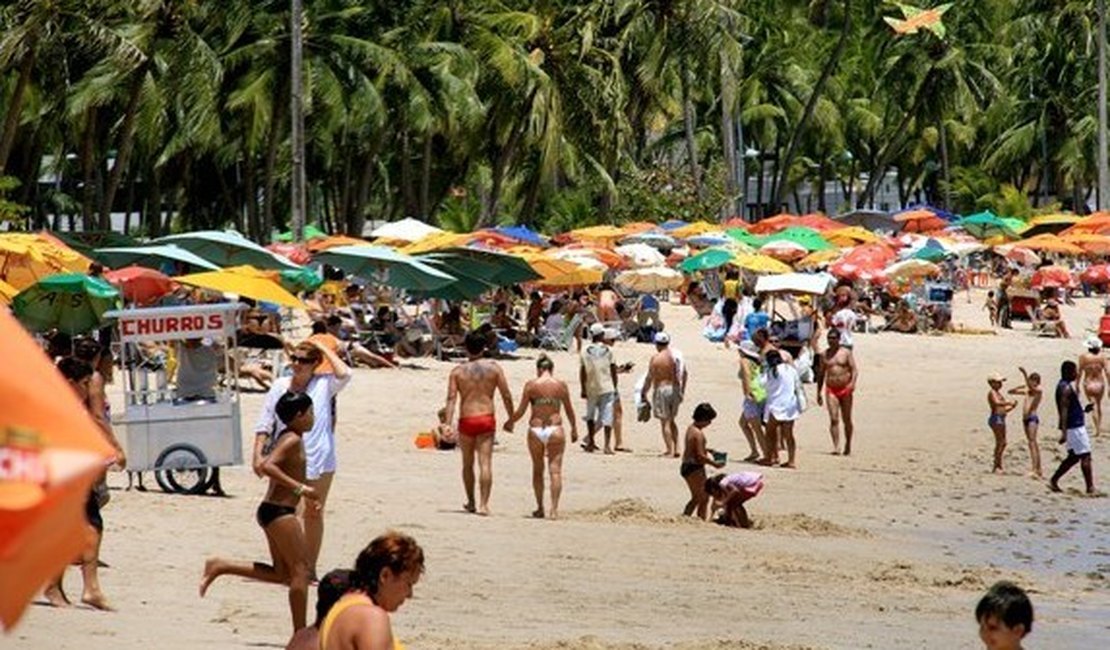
(643, 412)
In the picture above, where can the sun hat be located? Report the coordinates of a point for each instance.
(597, 329)
(996, 376)
(662, 338)
(749, 350)
(1094, 343)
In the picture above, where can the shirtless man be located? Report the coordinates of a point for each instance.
(668, 376)
(838, 373)
(474, 383)
(1093, 375)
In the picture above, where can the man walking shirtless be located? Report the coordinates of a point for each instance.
(839, 374)
(668, 375)
(473, 384)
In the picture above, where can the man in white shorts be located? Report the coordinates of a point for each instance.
(1073, 429)
(597, 374)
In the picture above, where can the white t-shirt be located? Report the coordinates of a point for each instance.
(845, 320)
(782, 401)
(319, 442)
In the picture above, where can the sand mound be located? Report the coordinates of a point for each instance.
(803, 524)
(957, 578)
(632, 510)
(593, 643)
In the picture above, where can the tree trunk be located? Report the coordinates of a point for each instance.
(254, 228)
(946, 193)
(408, 192)
(356, 218)
(892, 146)
(345, 198)
(277, 122)
(15, 107)
(689, 116)
(154, 205)
(130, 200)
(821, 206)
(88, 164)
(811, 103)
(501, 165)
(759, 210)
(426, 179)
(126, 145)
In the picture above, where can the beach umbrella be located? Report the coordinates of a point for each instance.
(26, 258)
(85, 242)
(706, 260)
(295, 253)
(709, 239)
(549, 267)
(603, 233)
(1020, 255)
(152, 257)
(983, 225)
(872, 220)
(849, 236)
(436, 241)
(1097, 274)
(1091, 244)
(773, 224)
(760, 263)
(299, 281)
(463, 287)
(497, 269)
(7, 292)
(522, 234)
(655, 239)
(406, 230)
(140, 285)
(310, 232)
(73, 303)
(818, 259)
(580, 276)
(53, 453)
(385, 265)
(673, 224)
(784, 250)
(1049, 244)
(920, 220)
(818, 222)
(609, 258)
(693, 229)
(244, 281)
(807, 238)
(1097, 223)
(650, 280)
(641, 255)
(745, 237)
(226, 249)
(638, 227)
(324, 243)
(1051, 277)
(911, 269)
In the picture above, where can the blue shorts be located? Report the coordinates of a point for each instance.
(753, 410)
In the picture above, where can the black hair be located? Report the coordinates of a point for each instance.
(757, 304)
(501, 306)
(1035, 376)
(1008, 603)
(318, 327)
(292, 404)
(87, 349)
(59, 344)
(545, 363)
(332, 587)
(96, 269)
(728, 311)
(476, 342)
(556, 306)
(704, 412)
(773, 359)
(713, 484)
(535, 295)
(990, 294)
(334, 320)
(74, 369)
(1068, 371)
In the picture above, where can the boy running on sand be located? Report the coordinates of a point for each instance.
(1005, 617)
(1030, 421)
(999, 406)
(285, 465)
(1073, 429)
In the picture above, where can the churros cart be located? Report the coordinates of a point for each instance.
(183, 439)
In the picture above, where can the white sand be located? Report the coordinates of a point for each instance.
(890, 548)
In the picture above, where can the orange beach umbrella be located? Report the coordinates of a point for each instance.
(53, 452)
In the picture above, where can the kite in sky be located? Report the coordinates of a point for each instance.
(918, 19)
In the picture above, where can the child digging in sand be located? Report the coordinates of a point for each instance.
(1030, 421)
(730, 492)
(695, 457)
(999, 406)
(285, 465)
(1005, 617)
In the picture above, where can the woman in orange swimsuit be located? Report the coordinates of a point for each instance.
(547, 396)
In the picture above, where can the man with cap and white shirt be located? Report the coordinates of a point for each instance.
(667, 375)
(597, 374)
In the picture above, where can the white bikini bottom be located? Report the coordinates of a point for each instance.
(543, 434)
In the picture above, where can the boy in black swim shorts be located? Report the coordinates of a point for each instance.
(285, 466)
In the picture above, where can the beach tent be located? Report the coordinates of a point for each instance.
(406, 230)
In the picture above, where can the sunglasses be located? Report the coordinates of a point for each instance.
(298, 359)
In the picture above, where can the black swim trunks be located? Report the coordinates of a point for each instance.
(688, 467)
(268, 512)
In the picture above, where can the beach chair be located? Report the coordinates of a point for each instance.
(563, 339)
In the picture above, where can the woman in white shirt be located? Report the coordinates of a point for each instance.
(782, 407)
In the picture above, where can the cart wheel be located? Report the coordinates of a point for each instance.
(182, 469)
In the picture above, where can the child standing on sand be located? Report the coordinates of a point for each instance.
(1030, 421)
(285, 465)
(695, 457)
(999, 406)
(991, 305)
(1005, 617)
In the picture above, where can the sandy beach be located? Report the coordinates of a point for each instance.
(890, 548)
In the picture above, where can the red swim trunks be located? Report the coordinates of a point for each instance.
(839, 393)
(477, 425)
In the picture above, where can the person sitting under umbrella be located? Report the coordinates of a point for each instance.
(1050, 314)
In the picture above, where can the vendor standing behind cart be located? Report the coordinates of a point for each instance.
(319, 442)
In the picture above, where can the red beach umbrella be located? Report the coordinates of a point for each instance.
(1052, 277)
(140, 285)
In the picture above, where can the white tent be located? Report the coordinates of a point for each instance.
(407, 229)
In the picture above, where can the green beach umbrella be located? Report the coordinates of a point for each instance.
(310, 232)
(73, 303)
(809, 238)
(228, 248)
(745, 237)
(705, 260)
(464, 287)
(498, 269)
(986, 224)
(387, 266)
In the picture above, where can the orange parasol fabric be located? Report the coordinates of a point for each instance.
(324, 243)
(818, 221)
(27, 258)
(1097, 223)
(1097, 274)
(637, 227)
(920, 221)
(55, 451)
(1049, 244)
(773, 224)
(7, 292)
(1091, 244)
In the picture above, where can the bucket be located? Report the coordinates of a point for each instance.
(720, 456)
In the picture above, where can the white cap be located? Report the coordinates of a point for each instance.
(1094, 343)
(662, 338)
(597, 329)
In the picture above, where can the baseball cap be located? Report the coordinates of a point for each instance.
(1094, 343)
(996, 376)
(662, 338)
(597, 329)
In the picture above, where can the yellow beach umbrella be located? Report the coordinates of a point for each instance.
(760, 264)
(818, 259)
(244, 281)
(548, 267)
(694, 229)
(434, 242)
(7, 292)
(580, 276)
(637, 227)
(850, 236)
(1049, 244)
(1090, 243)
(598, 233)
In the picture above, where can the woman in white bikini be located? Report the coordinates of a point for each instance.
(547, 396)
(1093, 374)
